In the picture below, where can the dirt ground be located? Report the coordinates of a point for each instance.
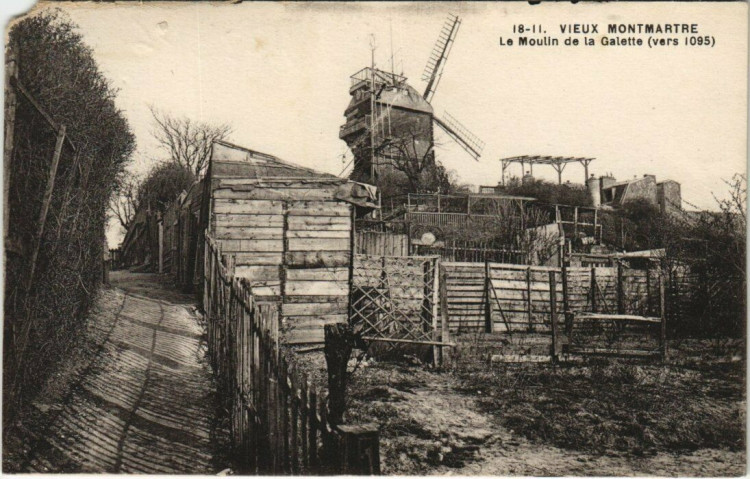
(443, 423)
(453, 422)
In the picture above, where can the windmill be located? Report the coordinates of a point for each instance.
(385, 112)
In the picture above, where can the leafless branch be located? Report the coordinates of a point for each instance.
(188, 143)
(124, 206)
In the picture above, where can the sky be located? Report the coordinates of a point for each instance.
(279, 75)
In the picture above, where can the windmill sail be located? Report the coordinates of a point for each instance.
(434, 68)
(465, 138)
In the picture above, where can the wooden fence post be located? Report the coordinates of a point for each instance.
(488, 327)
(663, 314)
(11, 70)
(360, 449)
(161, 245)
(592, 289)
(553, 314)
(620, 290)
(528, 298)
(339, 342)
(648, 309)
(568, 315)
(207, 275)
(312, 431)
(444, 327)
(231, 262)
(304, 435)
(46, 199)
(294, 405)
(436, 350)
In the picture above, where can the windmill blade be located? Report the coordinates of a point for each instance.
(435, 64)
(461, 135)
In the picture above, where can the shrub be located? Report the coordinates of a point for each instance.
(163, 184)
(44, 312)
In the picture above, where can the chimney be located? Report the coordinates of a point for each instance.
(607, 181)
(593, 186)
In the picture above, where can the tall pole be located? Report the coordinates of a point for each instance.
(393, 67)
(11, 69)
(585, 172)
(46, 199)
(161, 245)
(372, 110)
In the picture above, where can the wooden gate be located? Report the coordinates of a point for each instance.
(395, 299)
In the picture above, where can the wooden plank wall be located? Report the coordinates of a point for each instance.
(291, 239)
(465, 287)
(382, 243)
(187, 246)
(606, 294)
(640, 291)
(169, 221)
(519, 296)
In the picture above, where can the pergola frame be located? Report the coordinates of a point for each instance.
(557, 162)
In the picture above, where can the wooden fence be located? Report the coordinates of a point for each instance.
(278, 419)
(388, 243)
(612, 311)
(443, 219)
(382, 243)
(497, 297)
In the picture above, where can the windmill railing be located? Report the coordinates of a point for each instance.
(369, 74)
(350, 127)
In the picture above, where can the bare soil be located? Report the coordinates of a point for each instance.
(537, 420)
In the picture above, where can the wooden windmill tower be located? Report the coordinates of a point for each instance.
(388, 122)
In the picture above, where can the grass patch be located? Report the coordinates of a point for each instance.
(617, 406)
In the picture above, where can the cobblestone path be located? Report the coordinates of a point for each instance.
(144, 404)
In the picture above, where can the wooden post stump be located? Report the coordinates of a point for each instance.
(338, 349)
(553, 314)
(360, 449)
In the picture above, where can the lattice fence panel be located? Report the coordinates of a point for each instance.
(394, 298)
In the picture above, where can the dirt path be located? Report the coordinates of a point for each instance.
(144, 403)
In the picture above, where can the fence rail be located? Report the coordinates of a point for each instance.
(472, 252)
(279, 421)
(444, 219)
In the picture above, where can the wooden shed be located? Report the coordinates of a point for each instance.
(289, 231)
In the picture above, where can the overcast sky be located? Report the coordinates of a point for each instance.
(279, 74)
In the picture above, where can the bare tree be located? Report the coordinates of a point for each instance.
(506, 225)
(736, 205)
(124, 206)
(187, 142)
(526, 229)
(410, 154)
